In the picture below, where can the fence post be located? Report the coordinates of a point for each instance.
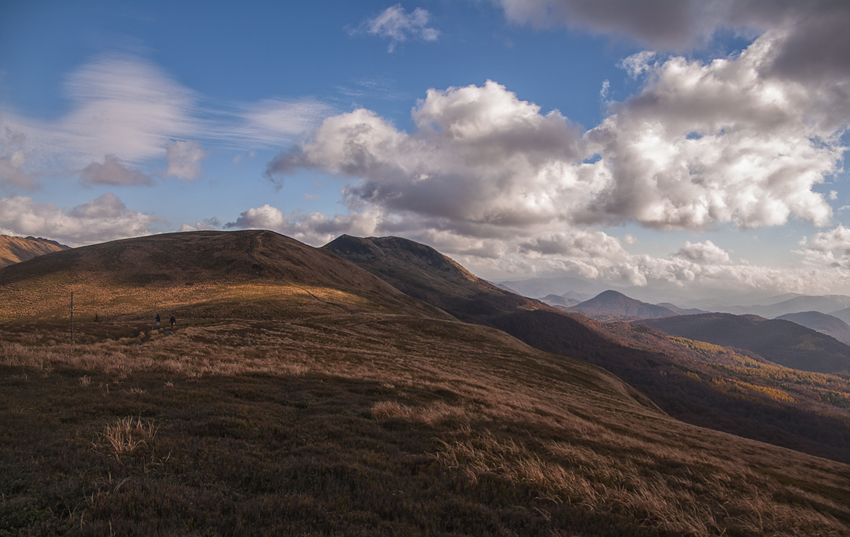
(72, 316)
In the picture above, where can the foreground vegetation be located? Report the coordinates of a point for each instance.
(299, 395)
(363, 424)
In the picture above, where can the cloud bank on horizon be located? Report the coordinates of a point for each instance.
(741, 141)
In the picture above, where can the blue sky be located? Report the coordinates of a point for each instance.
(681, 149)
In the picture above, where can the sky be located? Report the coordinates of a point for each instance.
(683, 149)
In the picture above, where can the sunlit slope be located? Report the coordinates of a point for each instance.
(16, 249)
(206, 273)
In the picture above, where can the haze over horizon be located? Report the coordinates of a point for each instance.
(679, 147)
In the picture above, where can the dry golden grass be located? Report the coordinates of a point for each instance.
(127, 434)
(504, 417)
(17, 249)
(250, 299)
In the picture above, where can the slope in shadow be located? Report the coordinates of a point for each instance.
(426, 274)
(780, 341)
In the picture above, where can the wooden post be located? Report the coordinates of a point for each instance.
(72, 316)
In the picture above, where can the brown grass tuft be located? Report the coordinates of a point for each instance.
(127, 434)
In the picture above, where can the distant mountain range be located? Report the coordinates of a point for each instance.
(780, 341)
(844, 315)
(825, 304)
(750, 303)
(16, 249)
(560, 286)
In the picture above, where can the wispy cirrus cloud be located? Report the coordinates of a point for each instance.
(126, 111)
(272, 122)
(122, 107)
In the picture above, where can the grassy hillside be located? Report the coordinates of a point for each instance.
(16, 249)
(673, 376)
(206, 274)
(347, 411)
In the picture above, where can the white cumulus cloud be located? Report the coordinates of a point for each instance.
(704, 253)
(312, 228)
(718, 142)
(102, 219)
(265, 217)
(821, 249)
(480, 157)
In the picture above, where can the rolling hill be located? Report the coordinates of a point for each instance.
(201, 269)
(16, 249)
(675, 379)
(782, 342)
(614, 305)
(301, 394)
(821, 322)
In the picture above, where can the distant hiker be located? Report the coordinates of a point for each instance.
(173, 322)
(157, 320)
